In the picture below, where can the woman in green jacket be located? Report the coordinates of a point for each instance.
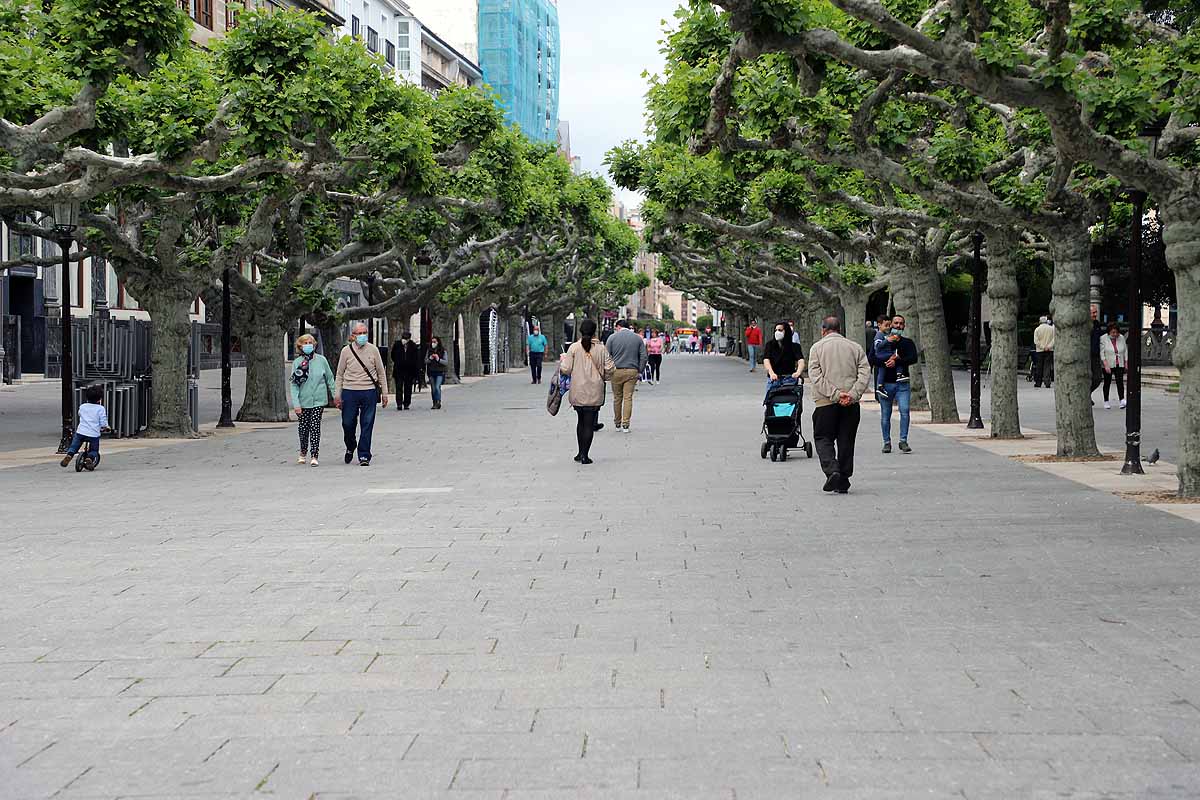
(312, 385)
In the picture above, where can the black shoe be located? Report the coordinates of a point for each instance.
(585, 461)
(579, 458)
(887, 447)
(904, 448)
(349, 456)
(599, 426)
(832, 482)
(364, 462)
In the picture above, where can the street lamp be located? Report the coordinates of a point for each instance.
(1133, 340)
(976, 421)
(226, 420)
(66, 220)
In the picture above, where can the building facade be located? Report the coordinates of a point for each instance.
(519, 53)
(411, 49)
(456, 22)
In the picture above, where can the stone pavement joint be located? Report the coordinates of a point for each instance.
(681, 619)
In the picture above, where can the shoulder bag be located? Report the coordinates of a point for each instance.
(374, 380)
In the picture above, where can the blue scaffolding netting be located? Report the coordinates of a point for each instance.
(518, 52)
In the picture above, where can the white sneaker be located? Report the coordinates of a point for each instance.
(1123, 404)
(302, 459)
(1107, 405)
(313, 463)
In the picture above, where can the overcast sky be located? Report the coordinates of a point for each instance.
(606, 45)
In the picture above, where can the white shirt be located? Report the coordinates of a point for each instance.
(92, 418)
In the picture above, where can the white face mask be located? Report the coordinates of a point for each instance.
(779, 336)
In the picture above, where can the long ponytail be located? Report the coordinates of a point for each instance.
(587, 329)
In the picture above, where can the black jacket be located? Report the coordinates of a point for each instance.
(907, 351)
(406, 359)
(783, 356)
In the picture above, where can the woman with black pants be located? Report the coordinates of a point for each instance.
(589, 365)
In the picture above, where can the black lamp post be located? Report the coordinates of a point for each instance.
(976, 420)
(226, 420)
(1133, 340)
(66, 219)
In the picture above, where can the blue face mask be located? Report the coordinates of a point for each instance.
(361, 339)
(307, 349)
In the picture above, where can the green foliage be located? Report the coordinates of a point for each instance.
(99, 40)
(857, 274)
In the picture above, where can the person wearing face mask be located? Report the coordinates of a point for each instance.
(783, 358)
(406, 366)
(895, 353)
(311, 387)
(537, 353)
(359, 389)
(436, 364)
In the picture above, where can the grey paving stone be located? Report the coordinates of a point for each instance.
(711, 624)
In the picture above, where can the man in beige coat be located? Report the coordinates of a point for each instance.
(839, 372)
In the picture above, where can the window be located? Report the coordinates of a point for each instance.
(355, 27)
(20, 244)
(199, 10)
(372, 40)
(391, 54)
(404, 58)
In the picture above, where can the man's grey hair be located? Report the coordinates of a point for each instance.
(1043, 319)
(357, 325)
(831, 324)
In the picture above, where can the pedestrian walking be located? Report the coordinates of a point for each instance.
(357, 391)
(91, 421)
(436, 364)
(839, 371)
(1043, 353)
(537, 353)
(629, 355)
(654, 355)
(754, 340)
(894, 354)
(589, 365)
(311, 387)
(706, 341)
(783, 357)
(1097, 364)
(406, 369)
(1114, 353)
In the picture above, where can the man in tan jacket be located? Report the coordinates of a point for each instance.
(1043, 353)
(360, 386)
(839, 371)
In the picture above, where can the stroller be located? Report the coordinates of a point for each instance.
(781, 420)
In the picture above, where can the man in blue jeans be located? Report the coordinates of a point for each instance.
(360, 385)
(537, 352)
(895, 353)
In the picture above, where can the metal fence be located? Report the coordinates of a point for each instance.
(115, 354)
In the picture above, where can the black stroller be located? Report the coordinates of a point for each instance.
(781, 420)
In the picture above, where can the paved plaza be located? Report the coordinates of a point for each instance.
(476, 616)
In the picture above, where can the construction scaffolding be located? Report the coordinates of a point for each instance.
(518, 52)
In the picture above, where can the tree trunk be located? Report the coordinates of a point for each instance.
(552, 327)
(169, 417)
(267, 398)
(934, 339)
(1181, 236)
(516, 343)
(472, 364)
(1003, 295)
(1071, 250)
(854, 305)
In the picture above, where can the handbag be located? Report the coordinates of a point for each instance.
(374, 380)
(555, 397)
